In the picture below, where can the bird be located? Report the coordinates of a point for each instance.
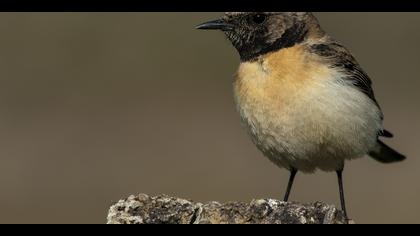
(302, 97)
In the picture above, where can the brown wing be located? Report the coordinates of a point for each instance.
(339, 57)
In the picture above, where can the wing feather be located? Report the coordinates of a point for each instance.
(339, 57)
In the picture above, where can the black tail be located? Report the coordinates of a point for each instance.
(385, 154)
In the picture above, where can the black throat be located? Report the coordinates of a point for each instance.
(292, 36)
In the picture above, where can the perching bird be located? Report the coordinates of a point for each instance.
(303, 98)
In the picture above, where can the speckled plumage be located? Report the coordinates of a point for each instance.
(302, 96)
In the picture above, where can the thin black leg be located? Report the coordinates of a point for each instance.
(340, 185)
(289, 186)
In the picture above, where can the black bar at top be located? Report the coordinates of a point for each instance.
(206, 5)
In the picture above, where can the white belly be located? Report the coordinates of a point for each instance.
(315, 127)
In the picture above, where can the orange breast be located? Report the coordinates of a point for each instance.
(277, 78)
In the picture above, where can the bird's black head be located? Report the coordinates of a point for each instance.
(257, 33)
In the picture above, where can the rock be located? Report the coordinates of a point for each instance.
(143, 209)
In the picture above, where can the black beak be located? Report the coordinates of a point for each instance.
(215, 25)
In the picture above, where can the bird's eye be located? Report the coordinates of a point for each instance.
(259, 18)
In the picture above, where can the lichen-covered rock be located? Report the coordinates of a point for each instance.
(143, 209)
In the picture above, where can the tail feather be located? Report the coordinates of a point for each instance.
(385, 133)
(383, 153)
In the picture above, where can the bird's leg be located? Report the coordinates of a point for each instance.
(340, 185)
(293, 172)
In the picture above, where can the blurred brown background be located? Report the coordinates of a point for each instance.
(97, 106)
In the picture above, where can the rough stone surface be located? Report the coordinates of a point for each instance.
(143, 209)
